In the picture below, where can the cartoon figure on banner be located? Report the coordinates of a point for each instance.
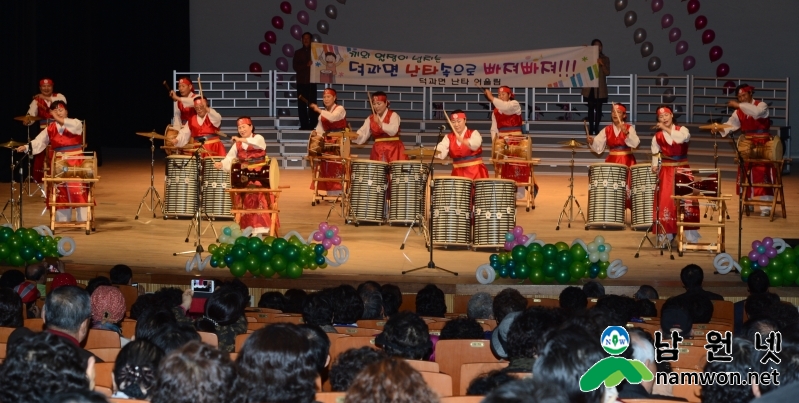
(329, 57)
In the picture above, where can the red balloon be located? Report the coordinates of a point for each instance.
(265, 49)
(255, 67)
(674, 34)
(729, 86)
(657, 5)
(666, 21)
(285, 7)
(708, 36)
(270, 37)
(277, 22)
(715, 53)
(693, 6)
(700, 22)
(722, 71)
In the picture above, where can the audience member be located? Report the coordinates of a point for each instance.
(276, 364)
(318, 310)
(526, 336)
(97, 282)
(29, 294)
(368, 285)
(763, 326)
(152, 320)
(11, 278)
(499, 337)
(620, 308)
(641, 348)
(372, 301)
(390, 380)
(223, 316)
(61, 280)
(593, 289)
(108, 308)
(238, 287)
(788, 368)
(10, 308)
(174, 336)
(566, 356)
(430, 302)
(526, 391)
(646, 292)
(484, 384)
(692, 277)
(37, 274)
(698, 305)
(120, 275)
(676, 318)
(480, 306)
(759, 306)
(745, 359)
(349, 363)
(319, 343)
(461, 329)
(392, 299)
(295, 300)
(196, 373)
(757, 283)
(272, 300)
(136, 369)
(644, 308)
(573, 300)
(347, 305)
(406, 335)
(507, 301)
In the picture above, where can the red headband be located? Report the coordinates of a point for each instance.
(45, 81)
(665, 109)
(620, 107)
(381, 98)
(244, 121)
(506, 89)
(458, 115)
(187, 82)
(198, 100)
(748, 88)
(330, 91)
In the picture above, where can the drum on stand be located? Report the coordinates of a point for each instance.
(407, 200)
(368, 190)
(642, 196)
(180, 186)
(452, 196)
(494, 211)
(607, 192)
(771, 150)
(171, 135)
(216, 200)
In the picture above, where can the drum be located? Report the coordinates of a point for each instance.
(75, 165)
(699, 182)
(407, 200)
(771, 150)
(171, 135)
(511, 147)
(317, 147)
(451, 210)
(180, 186)
(268, 176)
(216, 200)
(607, 191)
(368, 190)
(642, 195)
(494, 211)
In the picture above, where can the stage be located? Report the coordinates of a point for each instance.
(148, 244)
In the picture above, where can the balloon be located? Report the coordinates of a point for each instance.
(657, 5)
(336, 240)
(322, 27)
(237, 269)
(603, 273)
(771, 253)
(600, 248)
(708, 36)
(265, 49)
(517, 231)
(317, 38)
(285, 7)
(288, 50)
(327, 243)
(331, 12)
(550, 269)
(763, 260)
(550, 251)
(561, 246)
(536, 276)
(775, 279)
(768, 242)
(294, 271)
(790, 273)
(303, 17)
(281, 63)
(700, 22)
(576, 271)
(722, 70)
(519, 253)
(646, 49)
(639, 35)
(577, 252)
(599, 240)
(745, 273)
(754, 255)
(342, 1)
(296, 32)
(503, 272)
(693, 6)
(663, 79)
(654, 63)
(682, 47)
(562, 276)
(674, 34)
(535, 260)
(311, 4)
(788, 255)
(334, 229)
(666, 21)
(318, 236)
(513, 273)
(563, 259)
(255, 67)
(254, 244)
(592, 247)
(593, 257)
(277, 22)
(745, 261)
(688, 63)
(630, 18)
(756, 244)
(761, 249)
(620, 4)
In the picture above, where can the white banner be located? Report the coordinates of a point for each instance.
(558, 67)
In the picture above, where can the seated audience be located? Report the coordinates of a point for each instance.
(573, 300)
(61, 280)
(407, 336)
(347, 306)
(641, 348)
(526, 336)
(390, 380)
(36, 273)
(745, 359)
(566, 356)
(594, 289)
(484, 384)
(507, 301)
(97, 282)
(10, 308)
(676, 318)
(430, 302)
(757, 283)
(29, 294)
(295, 300)
(319, 343)
(272, 300)
(349, 363)
(392, 299)
(499, 337)
(108, 308)
(152, 320)
(372, 300)
(644, 308)
(527, 391)
(223, 316)
(120, 275)
(698, 305)
(196, 373)
(173, 336)
(136, 369)
(646, 292)
(461, 329)
(692, 277)
(480, 306)
(318, 310)
(11, 278)
(620, 308)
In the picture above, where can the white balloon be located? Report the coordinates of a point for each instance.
(779, 244)
(599, 240)
(724, 263)
(593, 257)
(616, 269)
(63, 251)
(530, 239)
(247, 232)
(608, 248)
(603, 256)
(581, 243)
(485, 274)
(592, 247)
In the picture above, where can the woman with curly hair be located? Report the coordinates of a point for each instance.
(390, 381)
(136, 369)
(196, 373)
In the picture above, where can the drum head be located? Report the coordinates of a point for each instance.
(274, 174)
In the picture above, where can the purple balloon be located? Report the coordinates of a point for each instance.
(318, 236)
(708, 36)
(666, 21)
(334, 229)
(700, 22)
(753, 256)
(317, 38)
(508, 245)
(323, 26)
(327, 244)
(763, 261)
(282, 64)
(768, 241)
(277, 22)
(756, 244)
(311, 4)
(518, 231)
(523, 240)
(323, 226)
(336, 240)
(688, 63)
(674, 34)
(771, 253)
(715, 53)
(285, 7)
(722, 70)
(296, 32)
(264, 48)
(693, 6)
(657, 5)
(270, 37)
(288, 50)
(682, 47)
(303, 17)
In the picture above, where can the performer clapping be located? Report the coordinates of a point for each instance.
(464, 146)
(620, 138)
(331, 119)
(249, 149)
(506, 122)
(184, 104)
(40, 107)
(202, 128)
(384, 126)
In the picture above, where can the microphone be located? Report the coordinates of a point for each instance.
(442, 127)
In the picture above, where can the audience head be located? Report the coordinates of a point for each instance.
(120, 275)
(566, 356)
(349, 363)
(295, 300)
(760, 305)
(392, 299)
(390, 380)
(430, 302)
(152, 320)
(620, 308)
(763, 326)
(758, 282)
(507, 301)
(97, 282)
(641, 348)
(406, 335)
(10, 308)
(480, 306)
(646, 292)
(676, 318)
(272, 300)
(525, 391)
(319, 343)
(499, 337)
(573, 299)
(317, 309)
(238, 287)
(62, 280)
(28, 292)
(136, 368)
(173, 336)
(462, 329)
(36, 272)
(347, 305)
(195, 373)
(372, 302)
(108, 305)
(169, 297)
(146, 302)
(68, 309)
(526, 334)
(368, 286)
(745, 359)
(593, 289)
(276, 364)
(223, 308)
(645, 308)
(788, 366)
(484, 384)
(11, 278)
(698, 305)
(692, 276)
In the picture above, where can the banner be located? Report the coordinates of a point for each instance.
(558, 67)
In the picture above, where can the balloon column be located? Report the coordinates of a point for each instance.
(287, 256)
(31, 245)
(526, 257)
(776, 258)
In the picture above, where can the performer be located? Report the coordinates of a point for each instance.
(202, 128)
(301, 63)
(250, 149)
(671, 141)
(66, 137)
(620, 138)
(40, 107)
(506, 122)
(184, 104)
(331, 120)
(384, 126)
(595, 97)
(464, 146)
(751, 116)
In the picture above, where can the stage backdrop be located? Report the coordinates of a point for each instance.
(559, 67)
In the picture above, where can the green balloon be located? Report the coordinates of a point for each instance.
(292, 253)
(534, 247)
(562, 276)
(550, 251)
(4, 250)
(242, 240)
(267, 270)
(775, 278)
(787, 256)
(279, 263)
(576, 270)
(564, 258)
(279, 245)
(774, 265)
(14, 242)
(503, 258)
(536, 276)
(222, 264)
(15, 259)
(214, 262)
(26, 252)
(268, 240)
(519, 253)
(5, 233)
(561, 246)
(253, 264)
(212, 248)
(745, 273)
(239, 253)
(254, 244)
(293, 271)
(604, 266)
(265, 253)
(745, 262)
(577, 252)
(535, 260)
(550, 269)
(523, 270)
(790, 273)
(237, 269)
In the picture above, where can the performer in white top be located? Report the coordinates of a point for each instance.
(40, 107)
(384, 126)
(332, 119)
(506, 122)
(205, 125)
(463, 145)
(184, 104)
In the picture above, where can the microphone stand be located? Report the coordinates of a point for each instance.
(199, 212)
(430, 170)
(656, 222)
(742, 176)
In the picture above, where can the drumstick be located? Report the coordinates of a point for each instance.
(303, 99)
(587, 134)
(616, 114)
(449, 121)
(167, 86)
(369, 94)
(200, 84)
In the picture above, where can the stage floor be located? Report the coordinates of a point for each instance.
(147, 244)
